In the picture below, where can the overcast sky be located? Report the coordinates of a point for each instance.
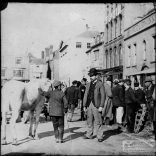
(33, 27)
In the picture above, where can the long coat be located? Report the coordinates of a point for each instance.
(57, 102)
(99, 95)
(118, 96)
(107, 110)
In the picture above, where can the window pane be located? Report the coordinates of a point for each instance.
(78, 44)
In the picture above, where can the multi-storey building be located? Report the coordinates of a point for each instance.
(15, 67)
(140, 48)
(95, 53)
(73, 59)
(119, 17)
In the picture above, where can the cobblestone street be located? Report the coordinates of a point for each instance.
(114, 143)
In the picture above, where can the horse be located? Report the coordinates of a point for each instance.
(18, 96)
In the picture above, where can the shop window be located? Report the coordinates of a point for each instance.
(78, 44)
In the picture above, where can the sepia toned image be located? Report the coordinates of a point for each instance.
(78, 79)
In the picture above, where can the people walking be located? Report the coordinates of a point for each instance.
(151, 101)
(130, 102)
(93, 103)
(82, 92)
(107, 110)
(118, 102)
(57, 107)
(72, 97)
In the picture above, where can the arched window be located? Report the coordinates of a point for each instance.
(144, 50)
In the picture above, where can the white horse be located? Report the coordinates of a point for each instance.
(17, 96)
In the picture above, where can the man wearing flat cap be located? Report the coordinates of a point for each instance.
(151, 101)
(93, 103)
(58, 105)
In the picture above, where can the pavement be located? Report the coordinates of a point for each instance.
(115, 142)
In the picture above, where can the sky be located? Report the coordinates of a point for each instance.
(31, 27)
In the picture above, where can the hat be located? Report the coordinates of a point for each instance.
(127, 80)
(121, 80)
(84, 79)
(136, 84)
(148, 79)
(109, 79)
(56, 83)
(116, 81)
(92, 72)
(74, 82)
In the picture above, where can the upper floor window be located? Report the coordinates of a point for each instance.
(115, 57)
(3, 72)
(144, 50)
(18, 60)
(78, 44)
(111, 58)
(128, 56)
(120, 55)
(134, 53)
(96, 53)
(18, 73)
(88, 45)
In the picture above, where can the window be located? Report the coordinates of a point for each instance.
(18, 73)
(120, 20)
(96, 53)
(129, 56)
(18, 60)
(120, 55)
(134, 54)
(115, 27)
(144, 50)
(106, 59)
(78, 44)
(111, 58)
(111, 30)
(114, 56)
(107, 32)
(88, 45)
(154, 49)
(3, 72)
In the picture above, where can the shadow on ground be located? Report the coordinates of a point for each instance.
(70, 130)
(110, 133)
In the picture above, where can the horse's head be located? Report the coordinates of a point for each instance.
(46, 84)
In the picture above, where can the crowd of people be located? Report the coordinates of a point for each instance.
(101, 103)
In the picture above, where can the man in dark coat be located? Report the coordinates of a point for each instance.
(151, 101)
(82, 92)
(72, 98)
(93, 103)
(130, 101)
(57, 107)
(118, 102)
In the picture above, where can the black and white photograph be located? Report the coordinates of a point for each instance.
(78, 78)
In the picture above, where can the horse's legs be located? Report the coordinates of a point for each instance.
(31, 123)
(15, 114)
(3, 137)
(38, 111)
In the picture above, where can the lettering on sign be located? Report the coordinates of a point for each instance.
(141, 25)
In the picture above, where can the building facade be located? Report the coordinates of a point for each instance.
(119, 17)
(113, 41)
(73, 59)
(95, 53)
(140, 48)
(15, 67)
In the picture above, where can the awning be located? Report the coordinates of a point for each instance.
(148, 71)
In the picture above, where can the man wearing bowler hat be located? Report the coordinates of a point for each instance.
(151, 101)
(93, 103)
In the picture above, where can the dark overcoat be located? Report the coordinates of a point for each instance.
(118, 96)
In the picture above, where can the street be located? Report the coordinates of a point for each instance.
(115, 143)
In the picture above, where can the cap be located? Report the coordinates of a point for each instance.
(56, 83)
